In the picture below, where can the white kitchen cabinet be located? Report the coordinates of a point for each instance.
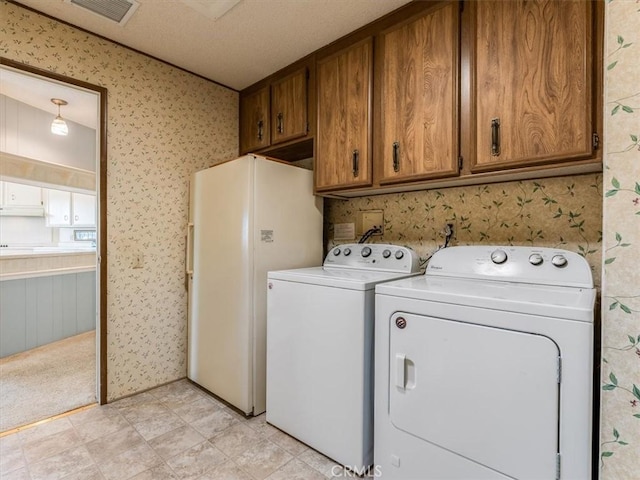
(67, 209)
(20, 195)
(83, 209)
(58, 208)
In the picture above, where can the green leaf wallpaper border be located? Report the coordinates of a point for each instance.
(620, 369)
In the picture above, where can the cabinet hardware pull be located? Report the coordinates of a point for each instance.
(280, 123)
(495, 137)
(396, 157)
(356, 163)
(260, 127)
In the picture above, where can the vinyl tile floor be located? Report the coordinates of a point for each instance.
(175, 431)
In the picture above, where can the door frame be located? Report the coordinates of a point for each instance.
(101, 170)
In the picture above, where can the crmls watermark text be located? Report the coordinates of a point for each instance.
(355, 472)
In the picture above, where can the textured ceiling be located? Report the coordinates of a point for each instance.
(251, 41)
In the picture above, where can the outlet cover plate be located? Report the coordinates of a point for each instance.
(367, 219)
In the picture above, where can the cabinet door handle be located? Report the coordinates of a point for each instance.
(495, 137)
(396, 157)
(355, 159)
(76, 218)
(280, 123)
(260, 129)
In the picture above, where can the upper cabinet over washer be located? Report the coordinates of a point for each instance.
(443, 93)
(417, 99)
(343, 139)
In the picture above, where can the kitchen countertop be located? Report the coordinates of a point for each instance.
(20, 263)
(22, 252)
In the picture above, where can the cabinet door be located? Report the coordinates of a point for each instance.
(417, 71)
(84, 209)
(58, 208)
(343, 156)
(254, 121)
(289, 107)
(533, 79)
(19, 195)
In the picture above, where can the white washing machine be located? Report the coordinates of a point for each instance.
(320, 324)
(484, 367)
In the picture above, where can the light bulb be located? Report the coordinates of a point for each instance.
(59, 126)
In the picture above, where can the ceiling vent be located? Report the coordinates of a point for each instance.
(119, 11)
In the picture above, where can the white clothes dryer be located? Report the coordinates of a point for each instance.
(320, 324)
(484, 367)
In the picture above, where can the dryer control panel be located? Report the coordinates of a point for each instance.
(533, 265)
(373, 256)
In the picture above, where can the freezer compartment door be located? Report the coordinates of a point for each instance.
(221, 296)
(489, 395)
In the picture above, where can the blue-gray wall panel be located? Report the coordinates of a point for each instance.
(69, 310)
(31, 318)
(37, 311)
(86, 302)
(12, 305)
(43, 296)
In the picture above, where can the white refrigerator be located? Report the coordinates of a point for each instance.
(247, 216)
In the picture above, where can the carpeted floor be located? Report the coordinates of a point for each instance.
(47, 381)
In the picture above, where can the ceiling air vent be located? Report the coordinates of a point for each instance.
(118, 11)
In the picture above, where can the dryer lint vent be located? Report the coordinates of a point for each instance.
(119, 11)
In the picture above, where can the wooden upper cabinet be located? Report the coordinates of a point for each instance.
(417, 71)
(289, 118)
(343, 137)
(534, 82)
(254, 121)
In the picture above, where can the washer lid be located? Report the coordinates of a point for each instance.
(568, 303)
(350, 279)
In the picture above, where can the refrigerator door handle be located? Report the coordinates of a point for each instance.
(189, 259)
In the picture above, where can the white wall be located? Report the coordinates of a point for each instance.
(26, 131)
(25, 231)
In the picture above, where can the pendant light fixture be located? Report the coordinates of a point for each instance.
(59, 126)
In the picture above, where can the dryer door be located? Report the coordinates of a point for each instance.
(488, 394)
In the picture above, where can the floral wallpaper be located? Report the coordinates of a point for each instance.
(163, 124)
(620, 369)
(563, 212)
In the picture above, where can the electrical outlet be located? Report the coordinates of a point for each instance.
(368, 219)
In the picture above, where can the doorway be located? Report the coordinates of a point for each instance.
(67, 180)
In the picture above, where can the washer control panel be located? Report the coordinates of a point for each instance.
(373, 256)
(536, 265)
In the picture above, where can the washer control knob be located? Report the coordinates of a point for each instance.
(347, 252)
(498, 256)
(535, 259)
(366, 251)
(559, 261)
(386, 253)
(399, 254)
(336, 251)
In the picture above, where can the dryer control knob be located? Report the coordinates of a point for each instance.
(386, 253)
(535, 259)
(366, 251)
(559, 261)
(498, 256)
(336, 251)
(347, 252)
(399, 254)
